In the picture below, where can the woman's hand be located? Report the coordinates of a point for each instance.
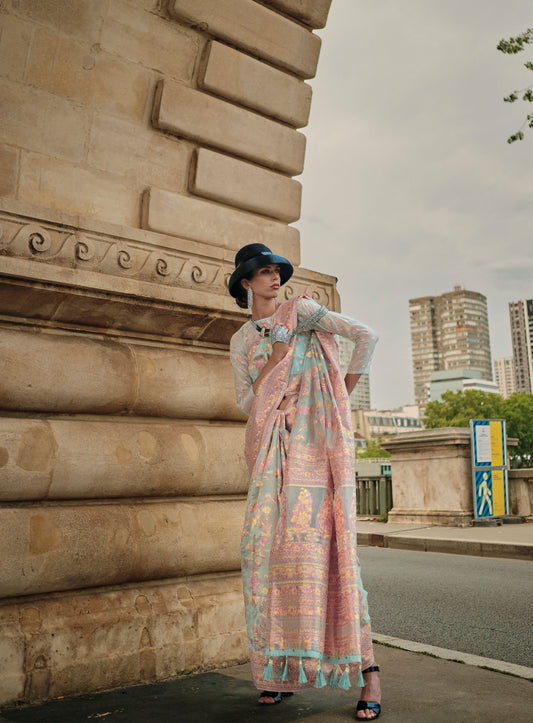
(351, 380)
(279, 350)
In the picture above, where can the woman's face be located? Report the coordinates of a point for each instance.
(265, 282)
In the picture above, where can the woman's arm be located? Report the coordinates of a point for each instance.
(363, 336)
(279, 350)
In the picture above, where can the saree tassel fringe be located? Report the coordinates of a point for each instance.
(344, 681)
(333, 679)
(302, 678)
(284, 671)
(320, 680)
(268, 672)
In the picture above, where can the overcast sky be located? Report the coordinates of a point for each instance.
(409, 185)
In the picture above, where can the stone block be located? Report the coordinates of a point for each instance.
(56, 184)
(96, 640)
(259, 30)
(188, 113)
(140, 157)
(8, 170)
(106, 377)
(15, 38)
(246, 186)
(87, 75)
(61, 547)
(144, 37)
(37, 121)
(79, 459)
(254, 84)
(311, 12)
(173, 214)
(76, 18)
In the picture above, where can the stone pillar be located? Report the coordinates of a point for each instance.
(142, 142)
(432, 477)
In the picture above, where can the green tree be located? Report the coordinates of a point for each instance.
(457, 409)
(512, 46)
(373, 450)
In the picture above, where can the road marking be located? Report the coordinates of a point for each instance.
(521, 671)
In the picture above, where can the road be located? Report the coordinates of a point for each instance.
(476, 605)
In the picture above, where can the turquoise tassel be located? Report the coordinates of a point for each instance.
(344, 681)
(285, 672)
(361, 681)
(268, 672)
(302, 678)
(333, 679)
(320, 680)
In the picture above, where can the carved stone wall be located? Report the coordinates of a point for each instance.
(141, 144)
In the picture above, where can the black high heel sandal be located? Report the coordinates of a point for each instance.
(369, 704)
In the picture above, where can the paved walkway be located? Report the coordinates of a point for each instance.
(509, 540)
(421, 684)
(416, 689)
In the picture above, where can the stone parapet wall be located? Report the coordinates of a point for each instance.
(142, 143)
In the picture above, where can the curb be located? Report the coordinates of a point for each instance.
(476, 548)
(456, 656)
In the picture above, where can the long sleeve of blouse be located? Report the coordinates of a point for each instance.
(363, 337)
(311, 316)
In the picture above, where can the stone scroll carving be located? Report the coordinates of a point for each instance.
(129, 258)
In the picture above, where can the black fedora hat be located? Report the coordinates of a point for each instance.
(254, 256)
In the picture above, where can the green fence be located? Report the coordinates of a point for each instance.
(374, 487)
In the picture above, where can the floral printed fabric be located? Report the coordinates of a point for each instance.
(306, 611)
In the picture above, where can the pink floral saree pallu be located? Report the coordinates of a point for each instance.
(306, 611)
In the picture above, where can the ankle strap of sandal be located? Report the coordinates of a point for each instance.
(372, 669)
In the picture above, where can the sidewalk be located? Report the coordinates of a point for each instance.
(416, 689)
(513, 541)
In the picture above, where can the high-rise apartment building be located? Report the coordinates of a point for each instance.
(504, 376)
(521, 317)
(360, 397)
(450, 331)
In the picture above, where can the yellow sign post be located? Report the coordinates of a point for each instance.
(489, 467)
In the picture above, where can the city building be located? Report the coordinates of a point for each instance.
(373, 424)
(521, 318)
(360, 397)
(450, 331)
(504, 376)
(458, 380)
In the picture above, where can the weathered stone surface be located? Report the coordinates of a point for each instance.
(432, 477)
(139, 157)
(8, 170)
(171, 213)
(15, 38)
(98, 640)
(521, 492)
(63, 134)
(192, 114)
(106, 377)
(147, 39)
(312, 12)
(58, 184)
(72, 17)
(259, 30)
(68, 547)
(76, 459)
(249, 82)
(87, 75)
(246, 186)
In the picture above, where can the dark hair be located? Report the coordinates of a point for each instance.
(242, 299)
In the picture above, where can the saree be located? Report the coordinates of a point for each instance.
(306, 608)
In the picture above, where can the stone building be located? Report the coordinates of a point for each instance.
(141, 143)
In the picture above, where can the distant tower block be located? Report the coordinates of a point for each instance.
(504, 376)
(360, 397)
(521, 318)
(450, 331)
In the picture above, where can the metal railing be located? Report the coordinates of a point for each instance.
(374, 496)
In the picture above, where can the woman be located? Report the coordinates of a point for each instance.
(306, 612)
